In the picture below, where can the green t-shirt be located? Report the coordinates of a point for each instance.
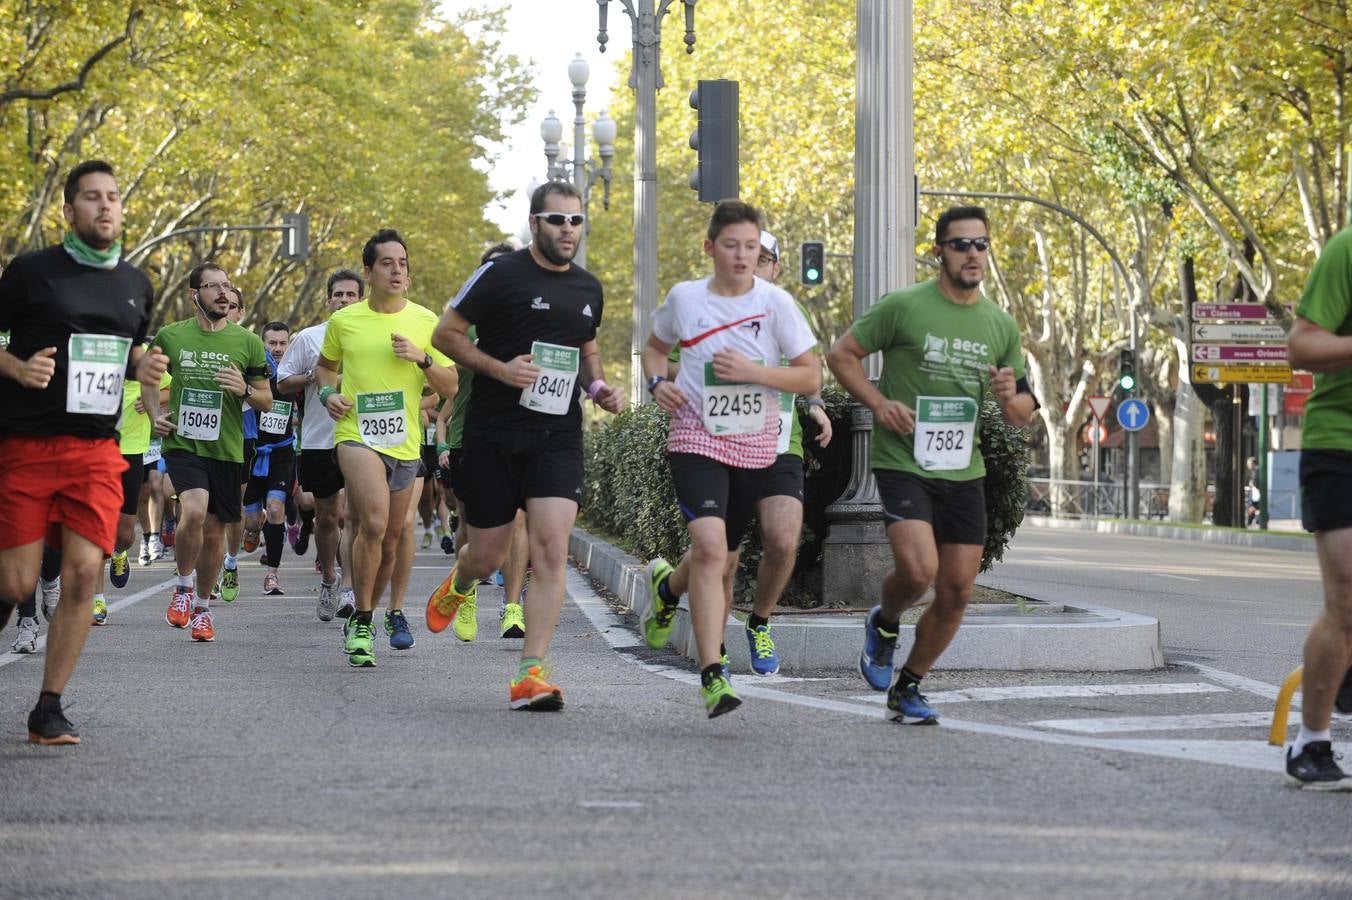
(1327, 302)
(935, 348)
(376, 381)
(209, 420)
(455, 429)
(135, 427)
(4, 340)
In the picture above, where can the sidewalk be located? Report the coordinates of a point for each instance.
(1286, 538)
(997, 637)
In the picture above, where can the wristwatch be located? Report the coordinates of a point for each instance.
(248, 390)
(426, 361)
(654, 381)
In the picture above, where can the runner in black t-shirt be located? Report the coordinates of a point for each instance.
(536, 315)
(77, 317)
(272, 469)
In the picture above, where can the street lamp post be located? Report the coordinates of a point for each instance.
(585, 172)
(645, 78)
(855, 553)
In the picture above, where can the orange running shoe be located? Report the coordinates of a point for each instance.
(202, 629)
(180, 608)
(532, 691)
(250, 540)
(445, 603)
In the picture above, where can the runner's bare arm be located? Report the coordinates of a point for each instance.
(326, 376)
(666, 394)
(1016, 407)
(443, 380)
(846, 361)
(608, 397)
(34, 372)
(450, 338)
(803, 374)
(1317, 349)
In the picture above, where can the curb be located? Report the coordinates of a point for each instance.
(1086, 638)
(1258, 539)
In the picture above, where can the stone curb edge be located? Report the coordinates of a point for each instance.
(1117, 641)
(1175, 533)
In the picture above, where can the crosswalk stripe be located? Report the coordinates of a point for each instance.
(1054, 691)
(1158, 723)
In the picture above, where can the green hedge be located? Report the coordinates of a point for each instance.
(629, 497)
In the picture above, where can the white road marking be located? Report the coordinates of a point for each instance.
(1176, 577)
(1054, 691)
(1255, 755)
(610, 804)
(8, 658)
(1057, 559)
(1159, 723)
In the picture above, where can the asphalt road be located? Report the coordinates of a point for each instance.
(263, 766)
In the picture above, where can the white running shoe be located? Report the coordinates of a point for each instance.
(328, 603)
(144, 558)
(347, 603)
(156, 548)
(27, 639)
(51, 595)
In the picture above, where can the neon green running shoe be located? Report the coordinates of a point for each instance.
(466, 623)
(360, 645)
(513, 621)
(229, 585)
(719, 697)
(657, 618)
(100, 611)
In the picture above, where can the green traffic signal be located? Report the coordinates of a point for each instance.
(1127, 382)
(813, 275)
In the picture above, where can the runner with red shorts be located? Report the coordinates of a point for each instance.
(77, 316)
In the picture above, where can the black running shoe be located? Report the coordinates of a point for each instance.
(50, 727)
(6, 610)
(1343, 702)
(303, 539)
(1315, 769)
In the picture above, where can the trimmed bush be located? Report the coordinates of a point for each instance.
(628, 495)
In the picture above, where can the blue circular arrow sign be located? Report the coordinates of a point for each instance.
(1132, 414)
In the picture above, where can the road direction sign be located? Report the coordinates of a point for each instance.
(1205, 331)
(1247, 312)
(1240, 353)
(1099, 406)
(1240, 374)
(1132, 414)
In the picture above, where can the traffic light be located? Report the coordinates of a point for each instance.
(1126, 371)
(813, 257)
(296, 236)
(715, 140)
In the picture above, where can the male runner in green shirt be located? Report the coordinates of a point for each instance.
(943, 343)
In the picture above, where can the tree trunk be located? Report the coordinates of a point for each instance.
(1187, 477)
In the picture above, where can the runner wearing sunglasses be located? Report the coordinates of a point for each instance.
(943, 344)
(536, 315)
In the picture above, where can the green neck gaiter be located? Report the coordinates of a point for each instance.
(86, 255)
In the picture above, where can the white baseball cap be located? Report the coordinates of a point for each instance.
(770, 244)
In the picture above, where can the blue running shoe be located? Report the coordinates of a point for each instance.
(910, 705)
(396, 626)
(875, 662)
(764, 659)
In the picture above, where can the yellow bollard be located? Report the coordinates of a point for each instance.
(1277, 734)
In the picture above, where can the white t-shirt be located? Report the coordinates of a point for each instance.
(764, 324)
(316, 428)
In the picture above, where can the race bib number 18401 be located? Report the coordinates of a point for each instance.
(554, 389)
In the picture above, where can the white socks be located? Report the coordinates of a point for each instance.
(1307, 736)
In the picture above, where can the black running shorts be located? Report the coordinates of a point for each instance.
(956, 510)
(502, 469)
(319, 473)
(1326, 483)
(220, 479)
(132, 479)
(707, 487)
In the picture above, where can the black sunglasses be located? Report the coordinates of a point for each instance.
(556, 219)
(962, 245)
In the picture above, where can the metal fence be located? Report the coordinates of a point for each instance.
(1078, 499)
